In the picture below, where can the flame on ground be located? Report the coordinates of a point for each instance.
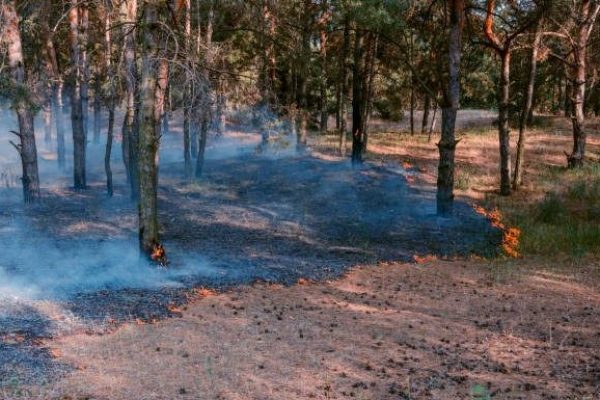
(511, 235)
(159, 255)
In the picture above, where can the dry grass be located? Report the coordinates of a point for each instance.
(576, 234)
(507, 328)
(441, 330)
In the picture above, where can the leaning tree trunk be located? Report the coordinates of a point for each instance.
(26, 148)
(357, 100)
(79, 138)
(503, 122)
(451, 99)
(589, 13)
(527, 108)
(148, 141)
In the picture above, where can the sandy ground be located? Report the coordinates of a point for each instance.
(439, 330)
(445, 330)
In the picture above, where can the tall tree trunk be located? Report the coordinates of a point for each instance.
(26, 148)
(344, 87)
(268, 63)
(208, 99)
(589, 13)
(368, 90)
(188, 92)
(503, 122)
(527, 108)
(302, 100)
(357, 99)
(130, 145)
(111, 96)
(450, 105)
(79, 137)
(85, 65)
(323, 38)
(149, 237)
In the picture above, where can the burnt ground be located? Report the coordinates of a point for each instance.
(70, 264)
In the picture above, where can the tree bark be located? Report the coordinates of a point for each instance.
(589, 13)
(27, 147)
(58, 119)
(149, 127)
(85, 65)
(111, 97)
(97, 107)
(357, 99)
(369, 82)
(79, 137)
(344, 87)
(503, 123)
(188, 93)
(302, 100)
(527, 108)
(128, 13)
(206, 112)
(450, 105)
(323, 38)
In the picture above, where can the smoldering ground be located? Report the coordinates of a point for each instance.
(71, 263)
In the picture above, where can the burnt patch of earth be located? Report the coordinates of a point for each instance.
(71, 262)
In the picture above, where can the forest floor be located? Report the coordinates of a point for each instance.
(465, 328)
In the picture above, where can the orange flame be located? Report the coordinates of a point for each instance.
(511, 235)
(158, 254)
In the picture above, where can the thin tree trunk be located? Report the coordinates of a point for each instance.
(48, 118)
(187, 101)
(323, 37)
(97, 109)
(450, 105)
(426, 107)
(85, 65)
(111, 97)
(79, 139)
(357, 99)
(589, 13)
(503, 121)
(130, 145)
(208, 96)
(58, 119)
(527, 108)
(368, 90)
(302, 101)
(344, 87)
(26, 148)
(150, 244)
(433, 120)
(413, 105)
